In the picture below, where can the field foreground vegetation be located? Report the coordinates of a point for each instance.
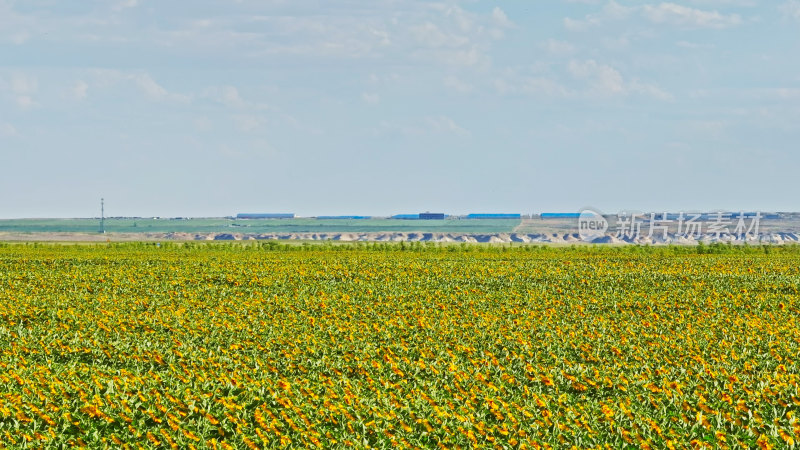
(232, 346)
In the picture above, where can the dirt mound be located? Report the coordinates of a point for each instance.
(227, 237)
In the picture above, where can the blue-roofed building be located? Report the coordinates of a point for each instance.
(343, 217)
(431, 216)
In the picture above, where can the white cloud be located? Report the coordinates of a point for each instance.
(142, 81)
(614, 10)
(22, 89)
(466, 57)
(430, 35)
(263, 33)
(383, 37)
(557, 47)
(663, 13)
(454, 84)
(616, 43)
(149, 86)
(500, 18)
(791, 9)
(20, 38)
(80, 90)
(23, 85)
(203, 124)
(249, 123)
(155, 91)
(230, 97)
(672, 13)
(787, 93)
(371, 98)
(7, 130)
(606, 81)
(105, 78)
(649, 90)
(426, 126)
(543, 85)
(464, 20)
(26, 102)
(575, 25)
(741, 3)
(462, 38)
(712, 129)
(125, 4)
(775, 94)
(611, 11)
(513, 83)
(471, 56)
(387, 79)
(444, 124)
(694, 45)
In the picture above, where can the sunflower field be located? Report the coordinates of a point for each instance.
(389, 346)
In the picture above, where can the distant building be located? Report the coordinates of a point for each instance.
(343, 217)
(405, 216)
(265, 216)
(494, 216)
(431, 216)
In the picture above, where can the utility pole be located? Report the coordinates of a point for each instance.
(102, 216)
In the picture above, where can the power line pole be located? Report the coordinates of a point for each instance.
(102, 216)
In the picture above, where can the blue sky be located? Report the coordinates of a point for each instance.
(213, 107)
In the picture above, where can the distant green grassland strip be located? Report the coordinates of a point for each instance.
(257, 226)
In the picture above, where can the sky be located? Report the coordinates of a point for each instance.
(376, 107)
